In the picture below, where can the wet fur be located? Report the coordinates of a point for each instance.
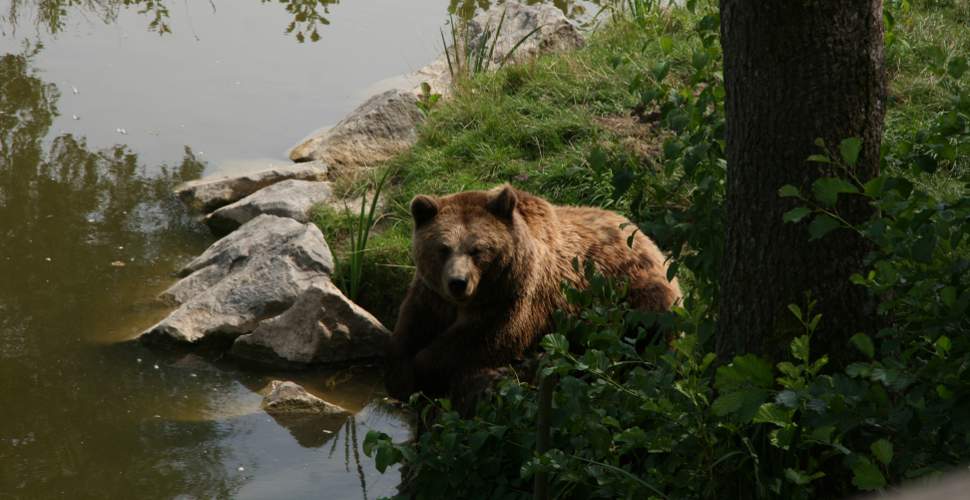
(440, 344)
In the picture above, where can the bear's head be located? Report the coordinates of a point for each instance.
(466, 242)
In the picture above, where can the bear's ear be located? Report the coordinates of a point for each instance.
(423, 209)
(503, 204)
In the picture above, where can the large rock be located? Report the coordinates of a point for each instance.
(385, 125)
(291, 198)
(556, 33)
(323, 326)
(253, 274)
(208, 194)
(285, 397)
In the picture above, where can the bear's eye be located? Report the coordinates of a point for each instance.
(475, 252)
(444, 250)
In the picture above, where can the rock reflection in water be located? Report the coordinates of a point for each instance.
(88, 237)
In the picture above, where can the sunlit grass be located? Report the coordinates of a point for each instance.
(537, 124)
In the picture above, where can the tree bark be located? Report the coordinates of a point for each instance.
(795, 71)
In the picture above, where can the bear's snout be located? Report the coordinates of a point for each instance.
(458, 286)
(459, 278)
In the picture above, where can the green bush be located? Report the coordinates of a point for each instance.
(633, 417)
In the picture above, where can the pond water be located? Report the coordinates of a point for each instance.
(105, 105)
(100, 115)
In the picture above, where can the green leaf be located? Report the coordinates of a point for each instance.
(660, 70)
(882, 450)
(944, 392)
(666, 44)
(672, 148)
(863, 343)
(819, 159)
(827, 190)
(598, 160)
(770, 413)
(800, 478)
(850, 149)
(744, 371)
(943, 345)
(787, 398)
(934, 56)
(873, 187)
(372, 440)
(699, 59)
(789, 191)
(821, 225)
(622, 180)
(742, 404)
(783, 437)
(555, 343)
(866, 476)
(957, 67)
(823, 434)
(858, 370)
(796, 214)
(632, 438)
(387, 455)
(800, 348)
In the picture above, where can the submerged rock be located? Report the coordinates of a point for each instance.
(309, 419)
(285, 397)
(290, 198)
(323, 326)
(385, 125)
(207, 194)
(254, 273)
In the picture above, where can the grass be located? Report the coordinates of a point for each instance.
(551, 125)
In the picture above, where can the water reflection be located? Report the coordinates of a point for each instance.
(52, 15)
(83, 237)
(308, 16)
(87, 240)
(72, 216)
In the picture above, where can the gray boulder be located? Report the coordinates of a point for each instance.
(253, 274)
(322, 326)
(207, 194)
(385, 125)
(557, 33)
(286, 397)
(290, 198)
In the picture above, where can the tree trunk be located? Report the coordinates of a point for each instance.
(795, 71)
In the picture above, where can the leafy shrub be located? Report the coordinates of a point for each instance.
(634, 417)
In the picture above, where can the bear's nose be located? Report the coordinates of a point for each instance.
(457, 286)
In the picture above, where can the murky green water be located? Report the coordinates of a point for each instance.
(103, 109)
(99, 117)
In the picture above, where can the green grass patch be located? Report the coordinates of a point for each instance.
(560, 125)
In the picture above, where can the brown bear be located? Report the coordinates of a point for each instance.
(490, 270)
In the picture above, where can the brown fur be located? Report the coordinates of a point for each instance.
(514, 250)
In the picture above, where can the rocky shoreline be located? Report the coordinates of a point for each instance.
(264, 290)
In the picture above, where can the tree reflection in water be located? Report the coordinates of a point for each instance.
(51, 15)
(87, 239)
(308, 16)
(82, 234)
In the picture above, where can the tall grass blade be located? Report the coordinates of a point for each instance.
(359, 236)
(498, 32)
(451, 69)
(517, 45)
